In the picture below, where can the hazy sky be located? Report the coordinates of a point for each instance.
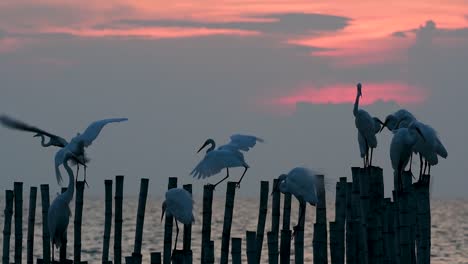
(183, 71)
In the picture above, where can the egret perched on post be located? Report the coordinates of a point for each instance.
(226, 156)
(302, 183)
(367, 127)
(179, 204)
(428, 148)
(59, 212)
(401, 148)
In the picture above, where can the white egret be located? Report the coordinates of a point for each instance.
(302, 183)
(179, 204)
(226, 156)
(367, 127)
(402, 117)
(59, 212)
(401, 148)
(80, 141)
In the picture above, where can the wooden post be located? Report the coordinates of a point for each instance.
(275, 210)
(236, 250)
(209, 253)
(207, 211)
(272, 247)
(119, 181)
(359, 239)
(7, 226)
(404, 224)
(45, 200)
(188, 234)
(364, 203)
(31, 222)
(168, 227)
(285, 246)
(178, 256)
(228, 211)
(351, 238)
(320, 244)
(63, 247)
(333, 243)
(388, 233)
(424, 219)
(18, 189)
(155, 258)
(395, 227)
(262, 213)
(251, 247)
(299, 236)
(107, 220)
(287, 211)
(340, 219)
(140, 219)
(78, 219)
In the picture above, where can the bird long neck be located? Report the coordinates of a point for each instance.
(43, 141)
(212, 147)
(68, 195)
(356, 104)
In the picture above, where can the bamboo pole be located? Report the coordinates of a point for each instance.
(333, 243)
(404, 220)
(287, 211)
(178, 257)
(9, 196)
(107, 220)
(168, 227)
(388, 233)
(78, 220)
(340, 219)
(31, 222)
(395, 226)
(119, 181)
(320, 244)
(262, 213)
(285, 246)
(251, 247)
(206, 221)
(188, 234)
(209, 253)
(140, 219)
(424, 220)
(228, 211)
(351, 251)
(359, 238)
(272, 247)
(155, 258)
(299, 236)
(275, 210)
(63, 247)
(18, 190)
(45, 200)
(236, 250)
(364, 203)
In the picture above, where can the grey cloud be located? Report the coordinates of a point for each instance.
(399, 34)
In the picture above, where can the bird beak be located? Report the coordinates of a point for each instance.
(162, 215)
(37, 135)
(202, 147)
(383, 125)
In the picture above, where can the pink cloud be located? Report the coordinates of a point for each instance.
(8, 45)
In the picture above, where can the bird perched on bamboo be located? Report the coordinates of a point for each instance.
(367, 127)
(59, 212)
(224, 157)
(178, 204)
(302, 183)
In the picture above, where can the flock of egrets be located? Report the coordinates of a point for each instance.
(409, 136)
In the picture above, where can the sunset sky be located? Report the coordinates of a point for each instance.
(183, 71)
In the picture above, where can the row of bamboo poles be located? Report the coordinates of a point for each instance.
(368, 228)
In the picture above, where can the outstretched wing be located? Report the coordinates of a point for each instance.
(19, 125)
(242, 142)
(216, 160)
(94, 129)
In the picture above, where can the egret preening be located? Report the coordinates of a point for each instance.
(428, 148)
(302, 183)
(367, 127)
(59, 212)
(226, 156)
(80, 141)
(401, 149)
(179, 204)
(402, 118)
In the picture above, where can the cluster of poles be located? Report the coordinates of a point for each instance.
(368, 228)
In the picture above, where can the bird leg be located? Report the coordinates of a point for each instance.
(410, 161)
(300, 220)
(425, 167)
(77, 170)
(227, 175)
(176, 237)
(52, 252)
(420, 166)
(371, 154)
(85, 177)
(238, 183)
(429, 169)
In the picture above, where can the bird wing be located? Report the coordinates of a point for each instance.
(242, 142)
(216, 160)
(362, 145)
(19, 125)
(303, 182)
(179, 203)
(94, 129)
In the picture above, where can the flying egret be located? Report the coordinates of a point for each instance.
(401, 148)
(59, 212)
(179, 204)
(428, 148)
(226, 156)
(302, 183)
(367, 127)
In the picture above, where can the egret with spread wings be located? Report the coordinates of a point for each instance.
(226, 156)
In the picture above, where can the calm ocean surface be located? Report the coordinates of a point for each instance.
(449, 228)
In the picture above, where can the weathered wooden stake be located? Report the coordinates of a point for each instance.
(351, 235)
(188, 234)
(340, 219)
(168, 227)
(119, 181)
(333, 243)
(424, 220)
(207, 211)
(228, 211)
(155, 258)
(18, 189)
(364, 182)
(359, 239)
(404, 218)
(275, 210)
(236, 250)
(45, 227)
(178, 257)
(63, 247)
(396, 225)
(299, 236)
(31, 222)
(272, 247)
(251, 247)
(7, 226)
(285, 246)
(140, 220)
(78, 220)
(320, 239)
(209, 253)
(262, 212)
(107, 220)
(287, 211)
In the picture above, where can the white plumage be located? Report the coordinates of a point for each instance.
(226, 156)
(401, 118)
